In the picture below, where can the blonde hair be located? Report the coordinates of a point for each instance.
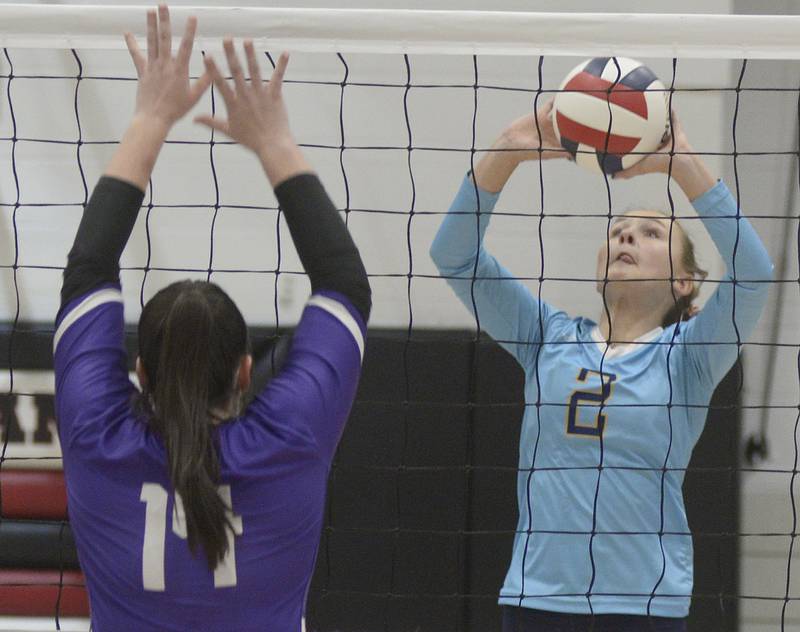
(682, 307)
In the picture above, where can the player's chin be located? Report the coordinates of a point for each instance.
(619, 272)
(627, 282)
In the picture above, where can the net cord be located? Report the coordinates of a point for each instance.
(472, 385)
(671, 347)
(420, 31)
(540, 330)
(5, 436)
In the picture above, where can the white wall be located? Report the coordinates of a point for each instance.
(379, 180)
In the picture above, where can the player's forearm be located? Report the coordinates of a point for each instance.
(136, 155)
(731, 313)
(104, 230)
(459, 240)
(692, 175)
(495, 167)
(282, 161)
(738, 243)
(324, 245)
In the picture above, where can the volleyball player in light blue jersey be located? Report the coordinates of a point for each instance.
(615, 407)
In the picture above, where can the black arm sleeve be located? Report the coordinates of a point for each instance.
(323, 242)
(104, 230)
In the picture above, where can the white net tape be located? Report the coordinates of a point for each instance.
(410, 31)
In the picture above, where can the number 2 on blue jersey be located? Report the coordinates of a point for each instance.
(595, 398)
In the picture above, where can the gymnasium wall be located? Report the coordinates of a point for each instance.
(770, 186)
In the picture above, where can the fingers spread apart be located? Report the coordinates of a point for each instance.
(276, 81)
(219, 81)
(234, 65)
(164, 32)
(159, 40)
(152, 36)
(237, 72)
(187, 43)
(136, 54)
(252, 65)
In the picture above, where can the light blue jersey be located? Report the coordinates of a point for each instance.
(602, 526)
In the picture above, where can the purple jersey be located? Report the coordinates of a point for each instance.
(275, 458)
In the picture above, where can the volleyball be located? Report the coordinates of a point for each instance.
(609, 112)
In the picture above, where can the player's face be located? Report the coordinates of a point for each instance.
(638, 253)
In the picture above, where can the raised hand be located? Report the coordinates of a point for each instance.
(527, 138)
(257, 116)
(523, 138)
(164, 92)
(677, 158)
(659, 161)
(163, 95)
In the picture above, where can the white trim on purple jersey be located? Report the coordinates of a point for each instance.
(109, 295)
(340, 312)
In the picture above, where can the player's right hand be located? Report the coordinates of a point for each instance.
(164, 92)
(533, 138)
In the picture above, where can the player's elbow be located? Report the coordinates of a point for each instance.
(446, 261)
(362, 297)
(759, 276)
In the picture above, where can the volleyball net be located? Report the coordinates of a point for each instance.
(392, 108)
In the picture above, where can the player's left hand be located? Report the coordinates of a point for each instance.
(673, 152)
(257, 114)
(164, 92)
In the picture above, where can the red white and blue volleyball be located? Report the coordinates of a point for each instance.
(610, 112)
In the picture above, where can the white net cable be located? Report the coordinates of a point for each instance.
(431, 32)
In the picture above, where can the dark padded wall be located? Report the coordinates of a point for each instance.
(430, 453)
(711, 491)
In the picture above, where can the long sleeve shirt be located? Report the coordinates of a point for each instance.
(602, 526)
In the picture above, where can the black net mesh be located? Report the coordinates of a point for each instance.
(421, 511)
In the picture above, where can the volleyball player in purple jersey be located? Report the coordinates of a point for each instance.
(189, 513)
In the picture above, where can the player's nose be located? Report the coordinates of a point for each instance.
(625, 236)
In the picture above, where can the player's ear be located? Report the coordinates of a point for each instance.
(245, 372)
(140, 373)
(683, 287)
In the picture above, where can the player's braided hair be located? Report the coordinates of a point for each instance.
(191, 340)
